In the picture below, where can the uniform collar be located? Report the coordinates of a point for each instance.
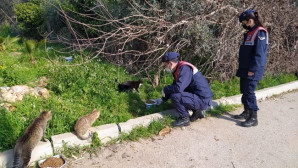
(176, 66)
(253, 28)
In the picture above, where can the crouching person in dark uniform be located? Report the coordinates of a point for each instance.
(189, 90)
(252, 61)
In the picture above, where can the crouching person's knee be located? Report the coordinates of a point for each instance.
(175, 97)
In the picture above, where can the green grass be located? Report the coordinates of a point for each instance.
(232, 87)
(77, 90)
(74, 90)
(145, 132)
(219, 110)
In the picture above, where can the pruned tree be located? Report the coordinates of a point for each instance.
(136, 33)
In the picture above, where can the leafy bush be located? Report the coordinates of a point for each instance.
(204, 33)
(5, 43)
(30, 16)
(5, 30)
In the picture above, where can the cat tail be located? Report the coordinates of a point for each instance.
(83, 137)
(17, 156)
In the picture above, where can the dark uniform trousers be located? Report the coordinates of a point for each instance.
(188, 101)
(247, 88)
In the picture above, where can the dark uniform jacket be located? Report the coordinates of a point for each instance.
(252, 53)
(187, 78)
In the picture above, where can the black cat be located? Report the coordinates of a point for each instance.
(129, 85)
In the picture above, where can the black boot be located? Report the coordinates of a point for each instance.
(243, 115)
(252, 120)
(197, 115)
(181, 121)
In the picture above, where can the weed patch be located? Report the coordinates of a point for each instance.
(145, 132)
(219, 110)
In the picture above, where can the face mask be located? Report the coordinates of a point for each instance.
(168, 69)
(246, 27)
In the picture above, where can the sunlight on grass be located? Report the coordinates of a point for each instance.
(77, 90)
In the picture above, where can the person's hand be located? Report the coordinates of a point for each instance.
(158, 101)
(250, 73)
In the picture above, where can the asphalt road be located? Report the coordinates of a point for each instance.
(214, 142)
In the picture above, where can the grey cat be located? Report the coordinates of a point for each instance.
(27, 142)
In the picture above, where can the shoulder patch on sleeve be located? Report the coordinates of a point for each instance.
(262, 37)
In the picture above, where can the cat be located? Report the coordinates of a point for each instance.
(129, 85)
(27, 142)
(84, 123)
(155, 81)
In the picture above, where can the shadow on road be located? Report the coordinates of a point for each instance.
(229, 117)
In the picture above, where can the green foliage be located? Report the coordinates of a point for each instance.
(232, 87)
(19, 71)
(30, 45)
(145, 132)
(5, 30)
(37, 2)
(2, 46)
(10, 128)
(30, 15)
(77, 90)
(135, 134)
(76, 151)
(219, 110)
(74, 90)
(270, 81)
(225, 89)
(96, 142)
(5, 43)
(157, 125)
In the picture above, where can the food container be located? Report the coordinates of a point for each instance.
(68, 59)
(56, 161)
(150, 103)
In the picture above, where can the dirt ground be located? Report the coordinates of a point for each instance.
(214, 142)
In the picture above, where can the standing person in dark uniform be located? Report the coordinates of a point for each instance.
(252, 61)
(189, 90)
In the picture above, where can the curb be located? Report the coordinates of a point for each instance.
(145, 121)
(260, 94)
(105, 134)
(110, 131)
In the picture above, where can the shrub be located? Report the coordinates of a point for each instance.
(205, 33)
(30, 16)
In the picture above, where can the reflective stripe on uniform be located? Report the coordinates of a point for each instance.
(251, 36)
(194, 69)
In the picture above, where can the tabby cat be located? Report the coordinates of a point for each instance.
(27, 142)
(84, 123)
